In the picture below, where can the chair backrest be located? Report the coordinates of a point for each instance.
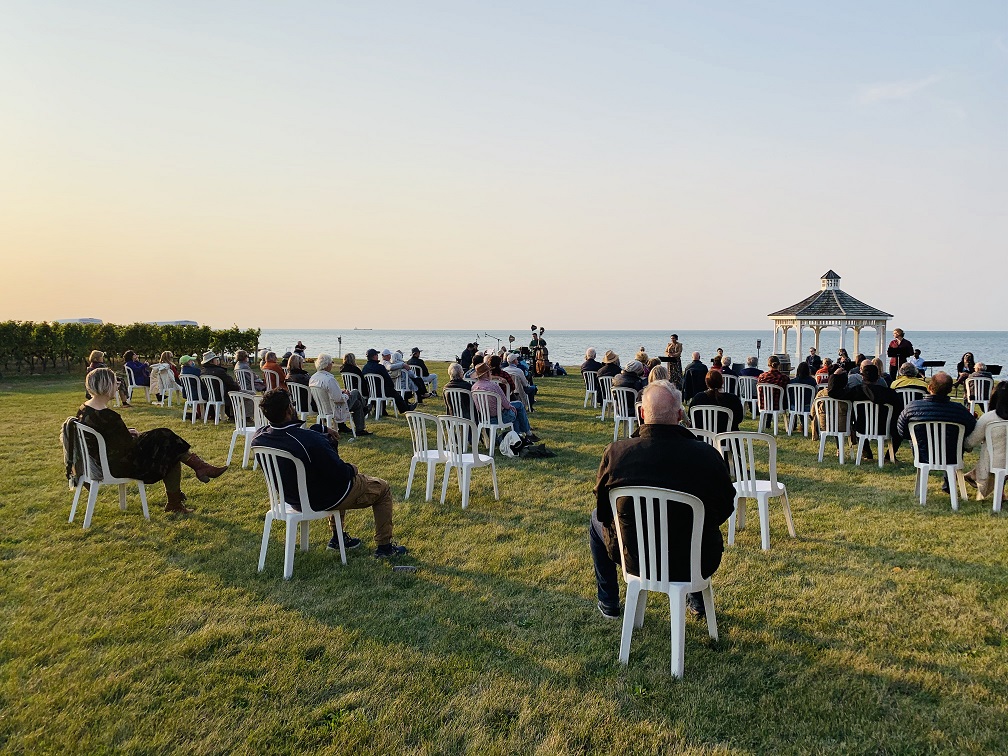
(239, 407)
(800, 396)
(730, 385)
(712, 417)
(822, 379)
(457, 400)
(623, 401)
(323, 402)
(130, 378)
(605, 383)
(376, 386)
(270, 461)
(747, 388)
(590, 378)
(910, 394)
(978, 388)
(97, 463)
(709, 437)
(771, 396)
(245, 379)
(652, 507)
(997, 433)
(270, 379)
(457, 433)
(874, 417)
(351, 381)
(832, 422)
(192, 387)
(482, 401)
(942, 443)
(302, 398)
(418, 422)
(742, 453)
(404, 382)
(504, 385)
(215, 387)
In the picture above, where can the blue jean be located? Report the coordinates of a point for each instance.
(606, 579)
(516, 416)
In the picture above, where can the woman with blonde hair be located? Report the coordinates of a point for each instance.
(97, 360)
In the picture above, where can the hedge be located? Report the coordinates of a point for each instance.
(27, 346)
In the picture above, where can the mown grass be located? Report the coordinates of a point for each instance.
(881, 628)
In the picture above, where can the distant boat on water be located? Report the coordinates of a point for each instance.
(363, 329)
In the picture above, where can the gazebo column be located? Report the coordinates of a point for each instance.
(843, 335)
(784, 342)
(816, 329)
(857, 338)
(798, 350)
(881, 330)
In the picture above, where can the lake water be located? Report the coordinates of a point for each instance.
(568, 347)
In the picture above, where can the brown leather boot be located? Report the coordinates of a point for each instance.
(176, 503)
(204, 470)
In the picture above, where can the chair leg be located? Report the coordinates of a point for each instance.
(303, 531)
(763, 505)
(466, 479)
(80, 486)
(493, 473)
(143, 499)
(444, 485)
(708, 602)
(740, 509)
(677, 610)
(267, 525)
(642, 598)
(881, 452)
(999, 481)
(248, 448)
(822, 445)
(924, 473)
(629, 617)
(787, 515)
(409, 479)
(731, 525)
(339, 535)
(951, 474)
(289, 543)
(431, 475)
(234, 440)
(92, 498)
(841, 443)
(860, 450)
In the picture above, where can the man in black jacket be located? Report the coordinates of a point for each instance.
(869, 390)
(669, 456)
(429, 378)
(693, 378)
(814, 361)
(373, 365)
(212, 366)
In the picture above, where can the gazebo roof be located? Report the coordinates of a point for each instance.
(831, 302)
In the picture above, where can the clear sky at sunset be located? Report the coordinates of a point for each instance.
(431, 165)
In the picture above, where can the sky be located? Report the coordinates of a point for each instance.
(666, 165)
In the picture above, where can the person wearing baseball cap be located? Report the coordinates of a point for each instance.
(373, 366)
(429, 378)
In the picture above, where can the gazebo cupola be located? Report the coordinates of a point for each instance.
(830, 307)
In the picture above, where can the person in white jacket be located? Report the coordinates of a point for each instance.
(980, 476)
(346, 405)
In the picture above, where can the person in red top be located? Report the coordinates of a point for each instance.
(270, 365)
(900, 350)
(775, 376)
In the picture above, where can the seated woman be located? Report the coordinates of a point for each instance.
(97, 360)
(350, 365)
(242, 363)
(980, 476)
(632, 376)
(270, 364)
(347, 405)
(716, 397)
(165, 375)
(835, 389)
(511, 412)
(295, 370)
(456, 380)
(803, 376)
(658, 373)
(965, 368)
(907, 376)
(844, 360)
(150, 456)
(141, 370)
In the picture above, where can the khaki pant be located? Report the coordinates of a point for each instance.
(369, 492)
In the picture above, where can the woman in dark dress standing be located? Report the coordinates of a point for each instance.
(674, 351)
(150, 456)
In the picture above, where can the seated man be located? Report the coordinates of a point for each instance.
(526, 391)
(631, 377)
(917, 361)
(511, 412)
(610, 366)
(346, 404)
(373, 366)
(212, 366)
(693, 378)
(393, 363)
(666, 455)
(869, 390)
(908, 376)
(429, 378)
(751, 368)
(332, 483)
(774, 375)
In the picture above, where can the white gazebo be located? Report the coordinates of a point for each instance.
(829, 308)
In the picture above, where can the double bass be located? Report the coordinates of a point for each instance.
(540, 353)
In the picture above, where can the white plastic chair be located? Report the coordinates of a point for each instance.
(215, 397)
(270, 380)
(943, 443)
(624, 411)
(999, 466)
(800, 398)
(131, 385)
(351, 381)
(833, 425)
(910, 394)
(294, 519)
(978, 392)
(326, 409)
(163, 382)
(97, 474)
(653, 547)
(422, 453)
(404, 384)
(376, 390)
(709, 437)
(772, 404)
(822, 379)
(590, 378)
(457, 400)
(730, 385)
(741, 453)
(193, 396)
(245, 379)
(457, 433)
(245, 426)
(747, 393)
(487, 420)
(302, 400)
(605, 385)
(876, 428)
(709, 417)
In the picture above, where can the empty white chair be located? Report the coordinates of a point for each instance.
(302, 400)
(97, 474)
(131, 385)
(458, 401)
(215, 397)
(772, 404)
(488, 419)
(246, 423)
(943, 445)
(653, 548)
(376, 390)
(624, 410)
(876, 428)
(193, 396)
(711, 417)
(978, 392)
(270, 380)
(836, 417)
(422, 452)
(351, 381)
(458, 433)
(590, 380)
(605, 386)
(748, 485)
(747, 393)
(997, 431)
(245, 379)
(800, 398)
(280, 507)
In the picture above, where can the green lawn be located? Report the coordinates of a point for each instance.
(881, 628)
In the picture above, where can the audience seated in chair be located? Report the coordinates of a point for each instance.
(346, 404)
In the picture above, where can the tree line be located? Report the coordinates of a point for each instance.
(26, 346)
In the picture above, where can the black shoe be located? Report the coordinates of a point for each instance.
(945, 486)
(694, 602)
(390, 551)
(349, 542)
(607, 612)
(344, 428)
(364, 432)
(532, 437)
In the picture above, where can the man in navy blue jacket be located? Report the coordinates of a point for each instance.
(331, 483)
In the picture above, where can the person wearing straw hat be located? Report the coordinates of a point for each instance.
(610, 365)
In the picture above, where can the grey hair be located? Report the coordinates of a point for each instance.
(590, 353)
(726, 361)
(750, 362)
(980, 366)
(323, 362)
(101, 382)
(662, 403)
(455, 371)
(908, 369)
(511, 358)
